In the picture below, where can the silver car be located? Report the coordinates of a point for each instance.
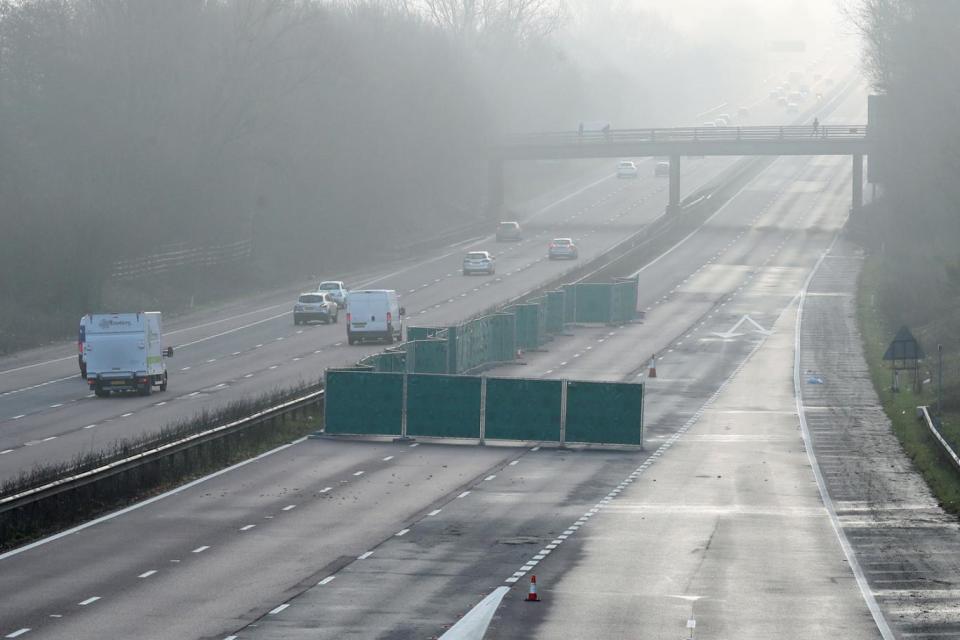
(315, 306)
(337, 291)
(478, 262)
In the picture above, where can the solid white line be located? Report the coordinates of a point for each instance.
(277, 610)
(402, 532)
(89, 601)
(147, 574)
(200, 549)
(852, 560)
(327, 580)
(149, 501)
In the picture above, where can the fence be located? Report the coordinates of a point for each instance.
(179, 256)
(924, 414)
(483, 408)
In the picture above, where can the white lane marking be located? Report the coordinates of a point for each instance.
(277, 610)
(5, 451)
(235, 353)
(434, 512)
(388, 459)
(464, 494)
(258, 346)
(201, 549)
(415, 444)
(327, 580)
(273, 367)
(249, 375)
(289, 507)
(247, 527)
(88, 601)
(536, 448)
(185, 369)
(211, 360)
(49, 439)
(852, 561)
(160, 404)
(401, 533)
(514, 462)
(127, 415)
(490, 477)
(364, 556)
(325, 489)
(358, 473)
(231, 638)
(54, 406)
(147, 574)
(22, 415)
(17, 633)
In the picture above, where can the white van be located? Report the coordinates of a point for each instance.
(124, 352)
(374, 314)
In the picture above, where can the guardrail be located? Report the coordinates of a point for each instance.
(925, 416)
(793, 133)
(206, 256)
(57, 488)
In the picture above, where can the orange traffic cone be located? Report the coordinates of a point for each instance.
(653, 367)
(532, 596)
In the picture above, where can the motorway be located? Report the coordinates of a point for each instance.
(335, 539)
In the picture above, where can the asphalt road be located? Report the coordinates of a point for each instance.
(416, 539)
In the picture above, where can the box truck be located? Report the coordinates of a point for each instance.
(124, 352)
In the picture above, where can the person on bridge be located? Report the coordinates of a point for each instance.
(816, 125)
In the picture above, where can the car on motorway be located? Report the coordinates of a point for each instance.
(337, 291)
(721, 122)
(315, 306)
(374, 314)
(793, 107)
(661, 168)
(509, 230)
(627, 169)
(478, 262)
(562, 248)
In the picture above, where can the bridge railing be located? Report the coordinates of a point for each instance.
(792, 133)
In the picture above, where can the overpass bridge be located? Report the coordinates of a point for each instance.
(793, 140)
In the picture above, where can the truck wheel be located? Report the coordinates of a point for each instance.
(350, 340)
(145, 389)
(163, 385)
(100, 392)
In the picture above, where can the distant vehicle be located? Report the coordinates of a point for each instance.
(374, 314)
(721, 122)
(478, 262)
(795, 96)
(743, 112)
(661, 168)
(81, 338)
(562, 248)
(709, 124)
(793, 107)
(725, 116)
(124, 352)
(316, 306)
(509, 230)
(627, 169)
(337, 291)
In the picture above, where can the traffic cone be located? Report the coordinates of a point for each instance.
(653, 367)
(532, 596)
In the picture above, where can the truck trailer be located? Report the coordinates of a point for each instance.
(124, 352)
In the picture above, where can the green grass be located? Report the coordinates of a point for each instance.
(917, 441)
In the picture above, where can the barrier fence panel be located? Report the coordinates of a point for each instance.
(555, 302)
(426, 356)
(422, 333)
(362, 402)
(521, 409)
(593, 302)
(625, 300)
(528, 325)
(504, 336)
(604, 412)
(569, 303)
(443, 406)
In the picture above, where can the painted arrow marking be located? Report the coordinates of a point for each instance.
(730, 333)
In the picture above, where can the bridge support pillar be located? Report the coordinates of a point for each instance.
(857, 182)
(494, 188)
(673, 204)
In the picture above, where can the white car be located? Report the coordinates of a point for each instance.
(562, 248)
(337, 291)
(478, 262)
(315, 306)
(627, 169)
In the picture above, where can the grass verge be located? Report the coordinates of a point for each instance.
(919, 444)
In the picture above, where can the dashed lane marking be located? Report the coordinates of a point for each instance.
(90, 600)
(147, 574)
(364, 556)
(201, 549)
(278, 609)
(327, 580)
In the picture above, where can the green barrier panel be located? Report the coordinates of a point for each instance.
(504, 327)
(569, 303)
(555, 302)
(453, 351)
(443, 406)
(593, 302)
(518, 409)
(391, 362)
(604, 412)
(427, 356)
(422, 333)
(360, 402)
(542, 336)
(528, 325)
(624, 307)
